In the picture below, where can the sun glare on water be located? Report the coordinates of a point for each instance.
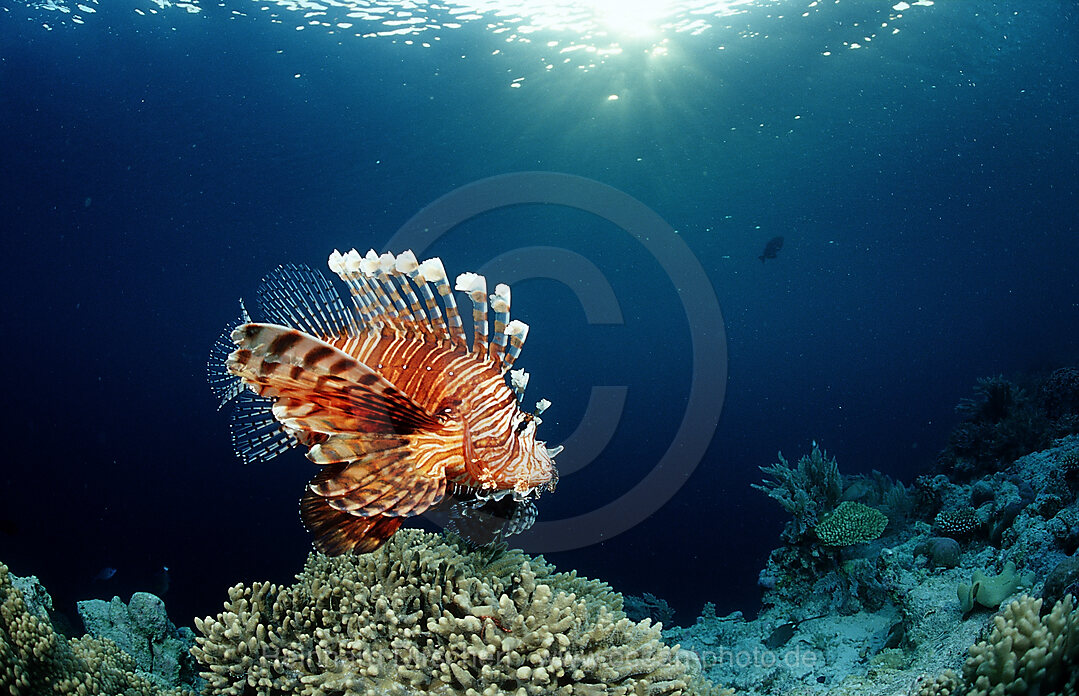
(581, 34)
(631, 17)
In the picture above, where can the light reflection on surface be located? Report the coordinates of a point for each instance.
(579, 33)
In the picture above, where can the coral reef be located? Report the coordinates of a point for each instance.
(991, 590)
(944, 684)
(35, 660)
(38, 600)
(807, 490)
(827, 539)
(1026, 653)
(648, 606)
(960, 522)
(908, 602)
(1062, 580)
(851, 523)
(1059, 393)
(422, 615)
(143, 630)
(1004, 421)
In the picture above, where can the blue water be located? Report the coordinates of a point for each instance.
(154, 166)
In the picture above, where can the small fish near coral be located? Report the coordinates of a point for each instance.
(388, 396)
(771, 249)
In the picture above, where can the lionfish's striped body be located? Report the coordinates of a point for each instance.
(388, 396)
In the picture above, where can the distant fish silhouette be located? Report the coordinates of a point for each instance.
(105, 574)
(159, 584)
(771, 249)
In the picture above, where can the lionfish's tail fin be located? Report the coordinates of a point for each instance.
(256, 434)
(300, 297)
(225, 385)
(319, 388)
(339, 532)
(475, 286)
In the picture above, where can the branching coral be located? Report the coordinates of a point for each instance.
(1003, 422)
(423, 616)
(1026, 653)
(806, 490)
(36, 660)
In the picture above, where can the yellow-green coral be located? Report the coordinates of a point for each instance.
(35, 660)
(422, 616)
(991, 590)
(1027, 653)
(851, 523)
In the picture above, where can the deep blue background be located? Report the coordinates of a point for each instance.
(152, 169)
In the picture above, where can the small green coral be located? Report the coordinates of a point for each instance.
(851, 523)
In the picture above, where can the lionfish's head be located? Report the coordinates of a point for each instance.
(536, 471)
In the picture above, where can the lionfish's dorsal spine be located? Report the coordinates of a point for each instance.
(399, 272)
(433, 271)
(475, 286)
(517, 332)
(500, 303)
(519, 382)
(347, 268)
(389, 300)
(407, 264)
(410, 298)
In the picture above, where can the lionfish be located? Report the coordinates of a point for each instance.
(387, 395)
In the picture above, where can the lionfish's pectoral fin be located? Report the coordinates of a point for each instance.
(319, 388)
(225, 385)
(376, 475)
(357, 505)
(256, 435)
(339, 532)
